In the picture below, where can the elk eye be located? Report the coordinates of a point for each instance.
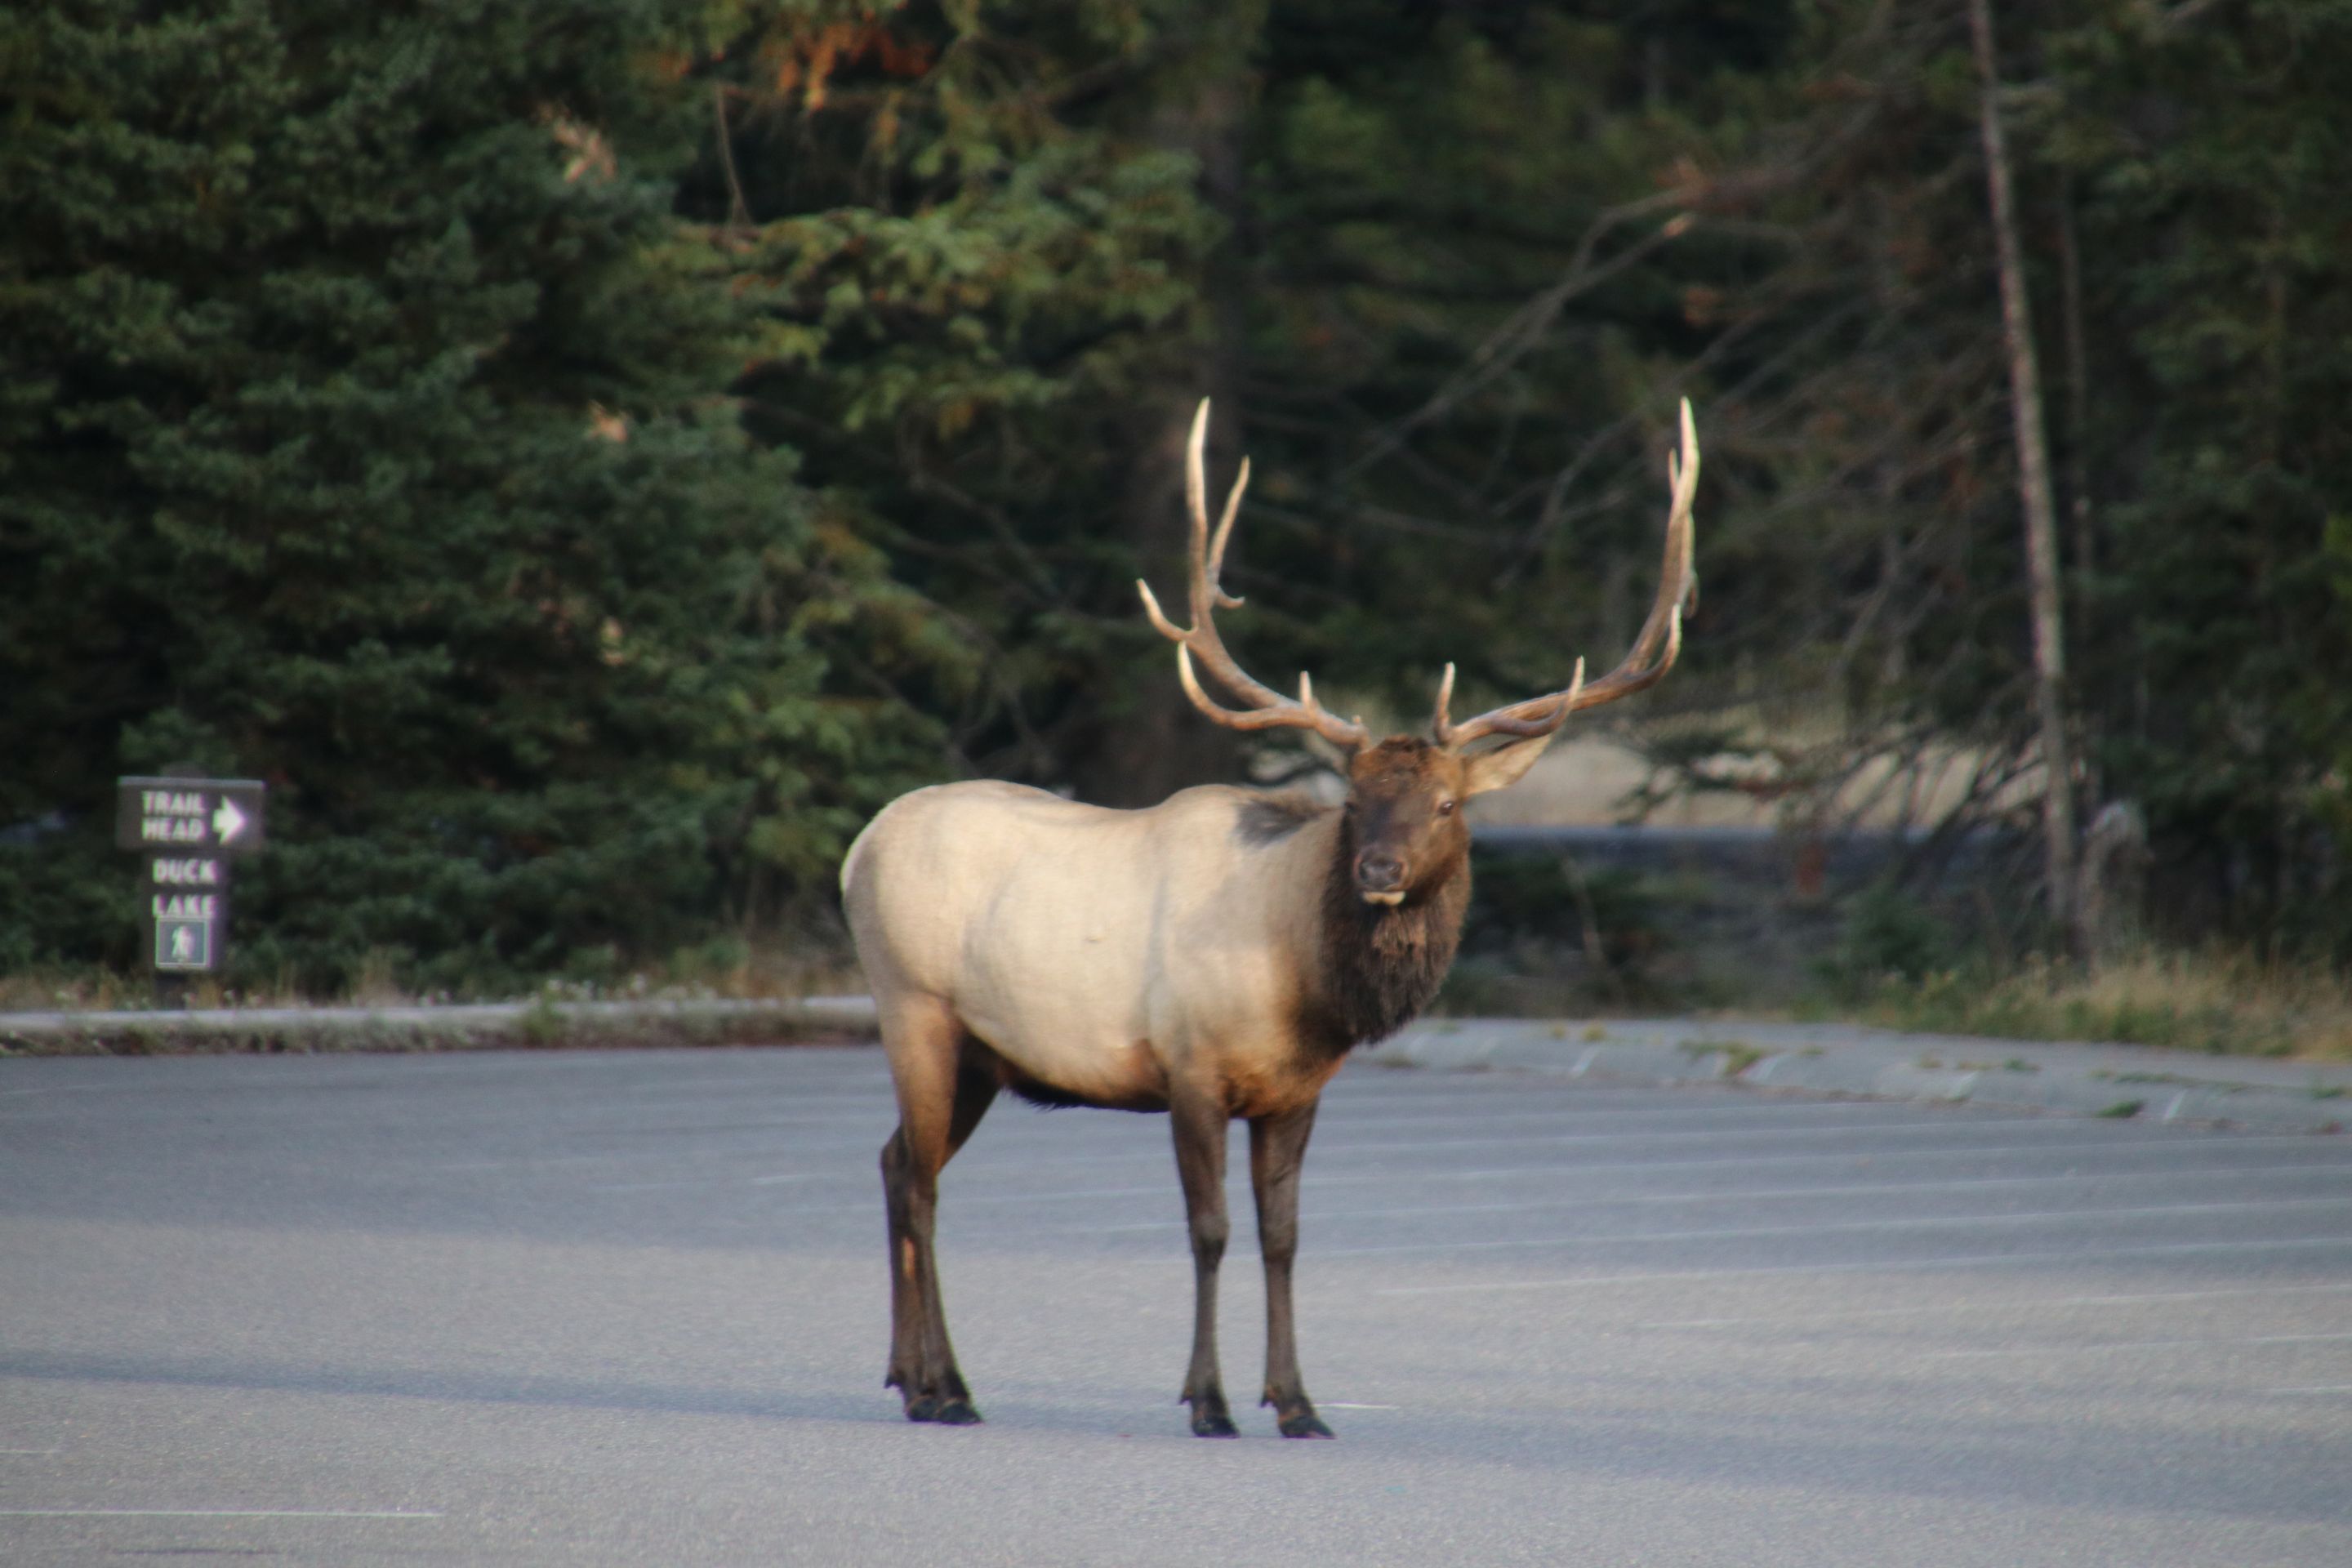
(1444, 808)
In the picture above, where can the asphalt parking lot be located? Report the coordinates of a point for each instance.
(631, 1308)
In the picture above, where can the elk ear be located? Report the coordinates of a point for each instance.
(1502, 767)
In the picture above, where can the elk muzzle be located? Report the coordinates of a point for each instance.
(1380, 878)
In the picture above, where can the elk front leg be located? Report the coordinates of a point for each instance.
(1278, 1149)
(943, 1094)
(1199, 1121)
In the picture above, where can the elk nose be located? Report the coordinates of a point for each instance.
(1379, 873)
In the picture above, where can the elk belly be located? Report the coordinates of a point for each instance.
(1059, 992)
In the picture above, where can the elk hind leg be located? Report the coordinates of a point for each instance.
(1198, 1123)
(946, 1081)
(1278, 1149)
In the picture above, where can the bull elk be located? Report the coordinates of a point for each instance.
(1213, 956)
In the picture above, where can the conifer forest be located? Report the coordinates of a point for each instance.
(587, 459)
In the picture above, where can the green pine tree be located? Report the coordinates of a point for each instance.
(359, 434)
(979, 239)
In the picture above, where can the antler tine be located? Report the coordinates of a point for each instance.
(1268, 709)
(1655, 651)
(1196, 505)
(1224, 531)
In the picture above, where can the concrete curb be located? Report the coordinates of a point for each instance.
(466, 1026)
(2070, 1079)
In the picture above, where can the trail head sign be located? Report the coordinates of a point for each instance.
(187, 831)
(192, 815)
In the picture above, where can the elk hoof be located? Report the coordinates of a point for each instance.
(946, 1411)
(1302, 1424)
(1211, 1419)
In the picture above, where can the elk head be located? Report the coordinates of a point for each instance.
(1404, 794)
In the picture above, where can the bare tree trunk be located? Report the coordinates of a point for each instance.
(2040, 509)
(2078, 455)
(2078, 398)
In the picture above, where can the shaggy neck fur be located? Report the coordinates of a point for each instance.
(1381, 965)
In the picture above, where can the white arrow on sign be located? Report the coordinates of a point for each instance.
(227, 821)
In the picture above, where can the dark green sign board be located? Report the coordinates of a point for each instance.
(187, 832)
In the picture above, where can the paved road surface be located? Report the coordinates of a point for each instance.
(629, 1308)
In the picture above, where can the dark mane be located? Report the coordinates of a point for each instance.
(1381, 967)
(1270, 818)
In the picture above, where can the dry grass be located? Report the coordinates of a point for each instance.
(2224, 1002)
(76, 991)
(806, 964)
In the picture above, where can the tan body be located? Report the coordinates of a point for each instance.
(1214, 957)
(1104, 954)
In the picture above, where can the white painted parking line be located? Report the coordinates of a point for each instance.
(1742, 1195)
(216, 1513)
(1940, 1309)
(982, 1160)
(689, 1154)
(1317, 1179)
(1838, 1114)
(1445, 1083)
(769, 1181)
(1966, 1261)
(2107, 1346)
(1859, 1156)
(1237, 1188)
(2041, 1216)
(2323, 1388)
(1235, 1182)
(1707, 1134)
(1322, 1152)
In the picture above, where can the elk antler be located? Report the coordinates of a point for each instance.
(1269, 709)
(1644, 667)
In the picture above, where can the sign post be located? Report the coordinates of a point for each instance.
(188, 831)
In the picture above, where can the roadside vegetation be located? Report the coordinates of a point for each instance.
(2228, 1004)
(1908, 965)
(817, 963)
